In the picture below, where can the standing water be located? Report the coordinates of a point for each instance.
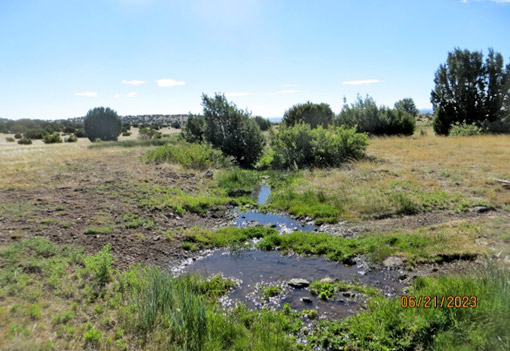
(254, 270)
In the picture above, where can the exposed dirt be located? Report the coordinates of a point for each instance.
(81, 194)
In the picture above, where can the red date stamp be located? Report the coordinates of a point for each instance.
(438, 302)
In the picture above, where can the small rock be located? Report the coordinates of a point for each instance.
(402, 276)
(327, 280)
(348, 294)
(298, 283)
(480, 209)
(306, 300)
(265, 177)
(393, 261)
(209, 174)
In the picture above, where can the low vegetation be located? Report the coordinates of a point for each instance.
(191, 156)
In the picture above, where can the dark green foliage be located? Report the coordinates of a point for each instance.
(17, 136)
(176, 125)
(52, 138)
(80, 133)
(232, 130)
(407, 105)
(102, 123)
(3, 127)
(25, 141)
(313, 114)
(35, 133)
(71, 139)
(301, 146)
(469, 90)
(69, 129)
(368, 118)
(193, 131)
(396, 121)
(10, 139)
(264, 124)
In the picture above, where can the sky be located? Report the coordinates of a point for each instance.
(60, 58)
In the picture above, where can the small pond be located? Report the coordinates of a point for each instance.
(254, 270)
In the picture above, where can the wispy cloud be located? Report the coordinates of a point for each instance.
(87, 94)
(362, 82)
(165, 83)
(238, 94)
(132, 94)
(291, 85)
(289, 91)
(134, 82)
(116, 96)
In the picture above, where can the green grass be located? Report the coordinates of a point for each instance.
(224, 237)
(192, 156)
(133, 143)
(98, 230)
(388, 326)
(157, 197)
(57, 295)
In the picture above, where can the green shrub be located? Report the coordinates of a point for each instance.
(102, 123)
(301, 146)
(148, 133)
(126, 134)
(10, 139)
(232, 130)
(264, 124)
(100, 265)
(52, 138)
(80, 133)
(93, 337)
(193, 131)
(25, 141)
(313, 114)
(35, 133)
(17, 136)
(465, 129)
(71, 139)
(368, 118)
(195, 156)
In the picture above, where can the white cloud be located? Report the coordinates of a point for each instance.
(116, 96)
(291, 85)
(131, 94)
(87, 94)
(238, 94)
(165, 83)
(361, 82)
(134, 82)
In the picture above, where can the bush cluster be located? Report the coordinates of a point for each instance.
(52, 138)
(227, 128)
(71, 139)
(313, 114)
(35, 133)
(369, 118)
(466, 129)
(25, 141)
(264, 123)
(301, 146)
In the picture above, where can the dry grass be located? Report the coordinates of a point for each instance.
(446, 171)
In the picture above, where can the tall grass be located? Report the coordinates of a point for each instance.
(195, 156)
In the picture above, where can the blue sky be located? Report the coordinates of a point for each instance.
(59, 58)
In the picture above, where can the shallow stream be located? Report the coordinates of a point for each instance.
(254, 270)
